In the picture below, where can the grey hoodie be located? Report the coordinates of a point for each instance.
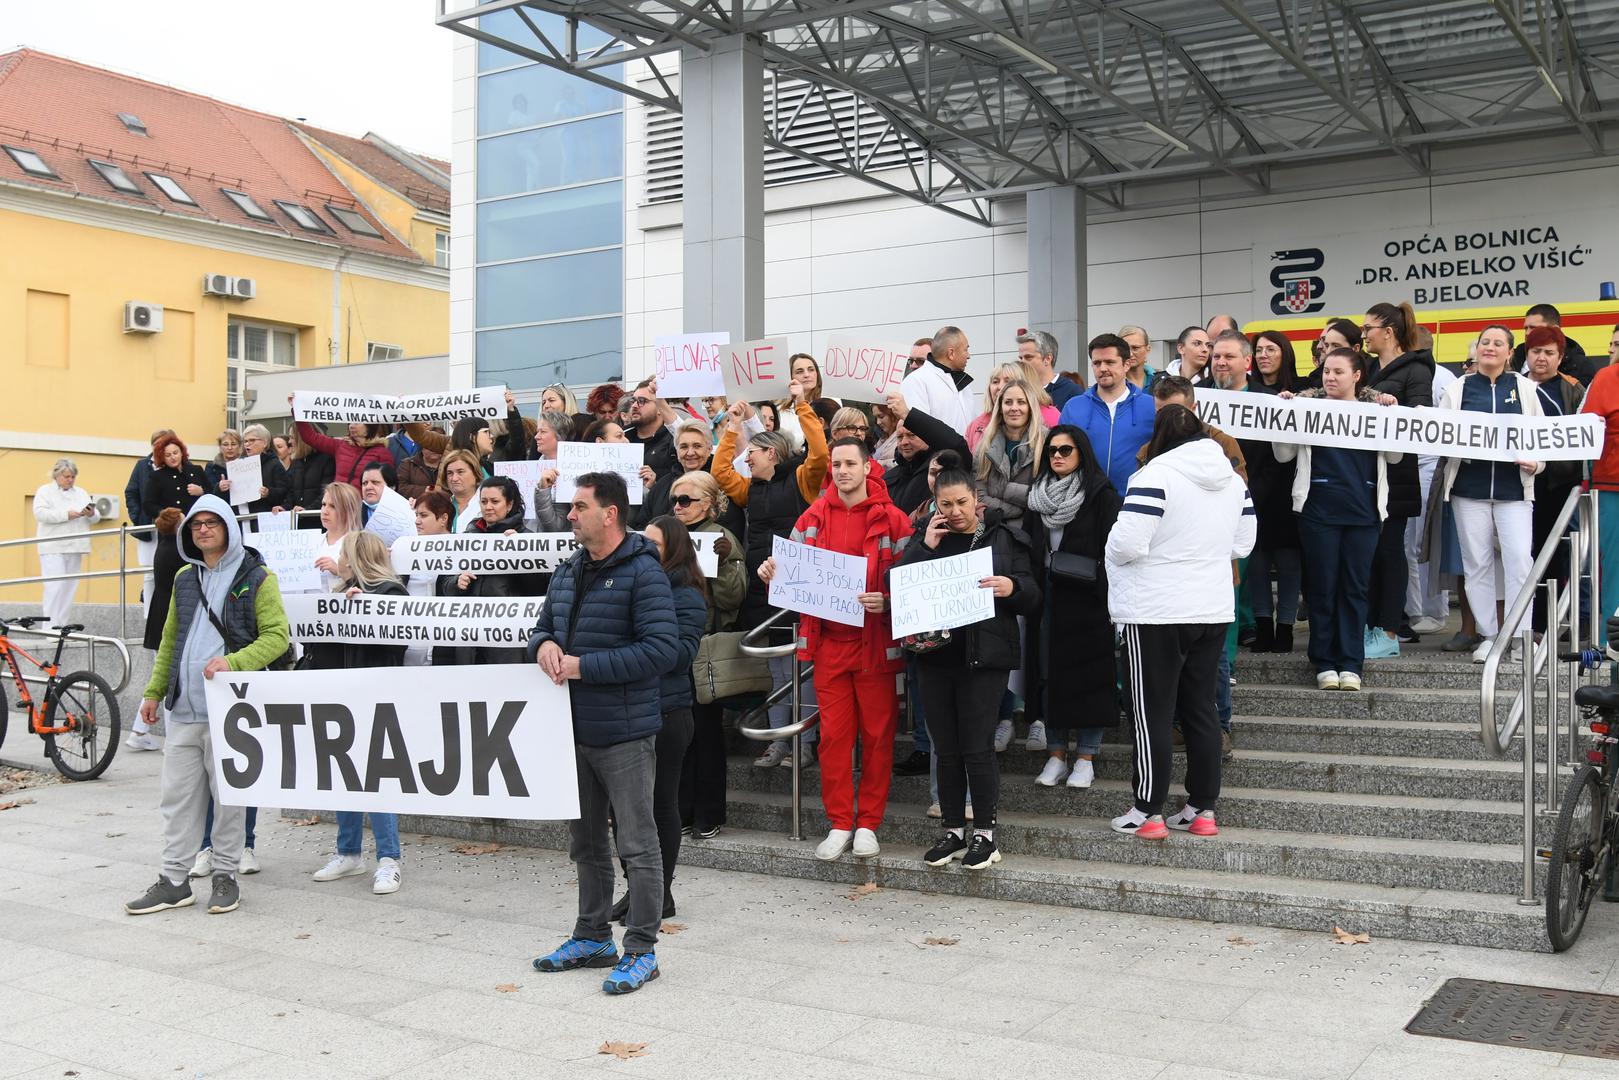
(203, 643)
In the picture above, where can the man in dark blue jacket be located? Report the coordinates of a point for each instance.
(609, 631)
(1115, 414)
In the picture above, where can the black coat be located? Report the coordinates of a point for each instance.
(335, 655)
(994, 644)
(490, 585)
(774, 507)
(166, 562)
(307, 480)
(1270, 482)
(166, 487)
(659, 500)
(275, 479)
(1409, 377)
(1070, 665)
(660, 451)
(908, 480)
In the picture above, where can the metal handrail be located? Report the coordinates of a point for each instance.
(91, 640)
(794, 688)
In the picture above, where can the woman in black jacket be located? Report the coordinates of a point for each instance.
(501, 505)
(365, 567)
(1270, 482)
(311, 471)
(962, 680)
(175, 479)
(1072, 675)
(166, 562)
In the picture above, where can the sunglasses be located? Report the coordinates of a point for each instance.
(684, 501)
(1062, 451)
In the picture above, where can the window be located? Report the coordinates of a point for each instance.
(544, 290)
(304, 217)
(132, 123)
(353, 221)
(376, 350)
(530, 96)
(168, 186)
(513, 26)
(31, 163)
(116, 177)
(441, 249)
(553, 222)
(529, 357)
(551, 157)
(251, 347)
(244, 202)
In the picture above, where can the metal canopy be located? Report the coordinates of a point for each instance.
(994, 97)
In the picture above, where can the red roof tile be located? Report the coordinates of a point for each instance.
(383, 167)
(67, 113)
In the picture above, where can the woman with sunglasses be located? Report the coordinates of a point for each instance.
(1069, 662)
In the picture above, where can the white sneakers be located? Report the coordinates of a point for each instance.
(1327, 680)
(387, 877)
(865, 844)
(1003, 736)
(835, 844)
(1348, 680)
(1083, 774)
(341, 866)
(143, 741)
(204, 866)
(1036, 742)
(1055, 772)
(1427, 625)
(248, 865)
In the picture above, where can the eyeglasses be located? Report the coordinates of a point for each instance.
(1062, 451)
(1367, 328)
(684, 501)
(861, 428)
(209, 524)
(639, 400)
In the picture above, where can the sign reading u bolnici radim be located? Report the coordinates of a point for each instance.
(400, 740)
(1500, 262)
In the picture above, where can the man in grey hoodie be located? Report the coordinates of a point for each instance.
(225, 615)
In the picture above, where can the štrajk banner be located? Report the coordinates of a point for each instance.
(412, 742)
(318, 407)
(1440, 432)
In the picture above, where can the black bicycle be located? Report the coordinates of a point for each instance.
(79, 720)
(1581, 855)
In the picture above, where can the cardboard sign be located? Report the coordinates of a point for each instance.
(473, 621)
(857, 370)
(482, 553)
(290, 555)
(320, 407)
(246, 476)
(941, 594)
(688, 365)
(527, 476)
(414, 742)
(574, 459)
(813, 581)
(756, 370)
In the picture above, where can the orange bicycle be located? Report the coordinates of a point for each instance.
(79, 721)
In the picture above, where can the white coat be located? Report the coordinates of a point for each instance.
(71, 536)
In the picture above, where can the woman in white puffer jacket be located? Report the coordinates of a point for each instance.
(65, 513)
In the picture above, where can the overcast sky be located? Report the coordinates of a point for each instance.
(349, 65)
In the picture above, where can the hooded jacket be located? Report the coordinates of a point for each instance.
(1185, 516)
(1118, 435)
(242, 594)
(350, 457)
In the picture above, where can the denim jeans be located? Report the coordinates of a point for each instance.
(781, 713)
(208, 826)
(617, 780)
(351, 833)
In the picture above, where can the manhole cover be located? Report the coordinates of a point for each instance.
(1534, 1017)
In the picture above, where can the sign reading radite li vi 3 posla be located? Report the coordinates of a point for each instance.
(414, 742)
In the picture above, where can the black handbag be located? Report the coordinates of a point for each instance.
(1071, 566)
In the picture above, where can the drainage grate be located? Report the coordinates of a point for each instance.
(1533, 1017)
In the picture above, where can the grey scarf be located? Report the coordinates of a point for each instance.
(1057, 499)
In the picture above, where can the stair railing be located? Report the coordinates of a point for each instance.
(794, 689)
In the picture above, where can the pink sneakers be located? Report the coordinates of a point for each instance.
(1196, 822)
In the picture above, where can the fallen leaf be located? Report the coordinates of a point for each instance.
(300, 937)
(1340, 936)
(941, 941)
(314, 820)
(863, 890)
(1238, 939)
(841, 941)
(507, 988)
(476, 849)
(672, 927)
(623, 1050)
(14, 803)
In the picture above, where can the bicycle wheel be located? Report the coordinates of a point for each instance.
(84, 703)
(1573, 877)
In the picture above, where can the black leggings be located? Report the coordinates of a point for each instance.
(673, 739)
(702, 780)
(1386, 598)
(962, 708)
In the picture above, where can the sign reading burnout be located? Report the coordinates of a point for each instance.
(1440, 432)
(473, 621)
(414, 742)
(488, 402)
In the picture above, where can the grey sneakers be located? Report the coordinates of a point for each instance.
(160, 897)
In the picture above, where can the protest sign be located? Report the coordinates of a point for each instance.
(814, 581)
(527, 476)
(290, 555)
(574, 459)
(392, 517)
(1441, 432)
(857, 370)
(469, 622)
(756, 370)
(707, 557)
(688, 365)
(941, 594)
(482, 553)
(263, 523)
(246, 476)
(324, 407)
(414, 742)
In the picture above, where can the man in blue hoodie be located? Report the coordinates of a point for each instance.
(1115, 414)
(225, 615)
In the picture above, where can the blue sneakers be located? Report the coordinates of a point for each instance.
(1379, 646)
(632, 973)
(578, 953)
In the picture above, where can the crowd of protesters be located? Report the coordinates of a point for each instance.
(1133, 548)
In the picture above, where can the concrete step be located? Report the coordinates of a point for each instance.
(1376, 702)
(1436, 670)
(1398, 738)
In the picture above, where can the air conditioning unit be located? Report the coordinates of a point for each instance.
(106, 507)
(218, 285)
(244, 288)
(143, 318)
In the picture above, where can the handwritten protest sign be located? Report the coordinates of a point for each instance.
(263, 523)
(707, 557)
(1442, 432)
(688, 365)
(488, 402)
(527, 476)
(756, 370)
(856, 370)
(574, 459)
(941, 594)
(482, 553)
(291, 555)
(813, 581)
(246, 476)
(483, 622)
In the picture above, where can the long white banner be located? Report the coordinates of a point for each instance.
(318, 407)
(1441, 432)
(491, 622)
(495, 554)
(413, 742)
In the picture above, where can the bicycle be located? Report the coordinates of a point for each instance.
(79, 720)
(1582, 850)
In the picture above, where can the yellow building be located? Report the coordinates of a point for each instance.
(159, 246)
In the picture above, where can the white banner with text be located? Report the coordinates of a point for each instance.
(325, 407)
(482, 553)
(470, 622)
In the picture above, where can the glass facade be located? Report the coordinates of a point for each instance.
(550, 216)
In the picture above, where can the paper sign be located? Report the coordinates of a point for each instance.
(468, 622)
(318, 407)
(392, 517)
(527, 476)
(857, 370)
(574, 459)
(490, 554)
(291, 556)
(941, 594)
(756, 370)
(707, 557)
(264, 523)
(813, 581)
(688, 365)
(246, 476)
(405, 741)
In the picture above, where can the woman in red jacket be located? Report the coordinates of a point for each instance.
(365, 443)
